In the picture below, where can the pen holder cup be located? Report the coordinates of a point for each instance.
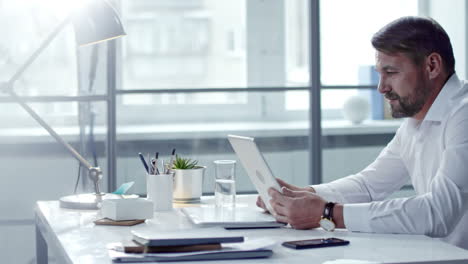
(188, 185)
(159, 189)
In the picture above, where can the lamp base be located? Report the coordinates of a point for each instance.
(86, 201)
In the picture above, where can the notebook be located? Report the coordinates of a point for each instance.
(184, 238)
(230, 217)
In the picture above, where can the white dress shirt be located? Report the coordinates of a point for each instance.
(433, 155)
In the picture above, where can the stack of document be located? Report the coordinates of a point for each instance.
(231, 247)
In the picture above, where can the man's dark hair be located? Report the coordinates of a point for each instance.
(417, 37)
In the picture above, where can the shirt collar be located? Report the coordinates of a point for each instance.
(440, 106)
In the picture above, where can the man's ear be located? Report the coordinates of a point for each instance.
(434, 65)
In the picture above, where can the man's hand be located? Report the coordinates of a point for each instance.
(282, 183)
(300, 209)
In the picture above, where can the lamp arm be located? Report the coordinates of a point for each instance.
(38, 51)
(95, 173)
(51, 131)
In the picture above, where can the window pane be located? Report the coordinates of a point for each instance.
(212, 44)
(183, 44)
(346, 30)
(146, 109)
(333, 101)
(216, 98)
(297, 42)
(56, 114)
(26, 25)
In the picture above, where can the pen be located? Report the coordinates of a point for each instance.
(156, 171)
(171, 161)
(143, 161)
(151, 168)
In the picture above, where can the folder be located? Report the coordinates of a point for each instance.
(119, 257)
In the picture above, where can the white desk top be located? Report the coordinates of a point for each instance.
(73, 238)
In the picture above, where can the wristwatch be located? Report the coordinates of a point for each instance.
(327, 218)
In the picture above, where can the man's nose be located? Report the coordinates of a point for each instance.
(382, 87)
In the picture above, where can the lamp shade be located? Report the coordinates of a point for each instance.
(97, 22)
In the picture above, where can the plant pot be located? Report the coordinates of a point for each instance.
(188, 185)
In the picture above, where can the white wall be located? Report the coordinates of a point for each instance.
(24, 181)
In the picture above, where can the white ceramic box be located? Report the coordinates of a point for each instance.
(127, 209)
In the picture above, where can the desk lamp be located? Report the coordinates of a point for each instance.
(94, 23)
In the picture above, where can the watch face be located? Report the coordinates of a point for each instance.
(327, 224)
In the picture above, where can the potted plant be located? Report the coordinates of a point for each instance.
(188, 180)
(184, 164)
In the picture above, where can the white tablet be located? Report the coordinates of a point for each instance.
(255, 166)
(230, 217)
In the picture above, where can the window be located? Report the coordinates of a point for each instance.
(183, 63)
(347, 56)
(346, 30)
(211, 45)
(347, 59)
(54, 71)
(188, 71)
(193, 71)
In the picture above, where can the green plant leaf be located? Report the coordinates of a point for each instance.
(184, 163)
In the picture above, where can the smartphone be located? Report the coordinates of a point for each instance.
(315, 243)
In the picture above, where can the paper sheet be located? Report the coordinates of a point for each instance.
(350, 261)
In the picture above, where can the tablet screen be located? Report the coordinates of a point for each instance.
(256, 167)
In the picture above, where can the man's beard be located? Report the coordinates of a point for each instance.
(409, 105)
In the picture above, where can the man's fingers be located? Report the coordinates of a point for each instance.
(278, 197)
(279, 208)
(290, 193)
(281, 218)
(261, 204)
(284, 184)
(294, 187)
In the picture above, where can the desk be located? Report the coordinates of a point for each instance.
(73, 238)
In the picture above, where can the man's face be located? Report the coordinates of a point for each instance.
(404, 84)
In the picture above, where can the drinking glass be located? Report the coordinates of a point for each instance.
(225, 183)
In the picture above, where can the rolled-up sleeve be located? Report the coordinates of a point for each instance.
(436, 212)
(377, 181)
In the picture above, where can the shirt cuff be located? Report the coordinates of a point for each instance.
(356, 217)
(326, 193)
